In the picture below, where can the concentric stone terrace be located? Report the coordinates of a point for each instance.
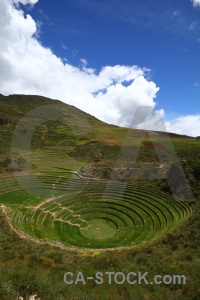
(99, 215)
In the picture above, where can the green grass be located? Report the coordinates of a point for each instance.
(71, 211)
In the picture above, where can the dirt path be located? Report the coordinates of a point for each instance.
(44, 202)
(87, 177)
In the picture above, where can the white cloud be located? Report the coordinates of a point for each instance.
(112, 94)
(25, 2)
(196, 2)
(188, 125)
(193, 26)
(122, 101)
(29, 68)
(64, 46)
(84, 61)
(154, 121)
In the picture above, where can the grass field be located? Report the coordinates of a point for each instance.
(87, 213)
(64, 209)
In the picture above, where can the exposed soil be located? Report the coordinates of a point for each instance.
(153, 145)
(110, 142)
(98, 228)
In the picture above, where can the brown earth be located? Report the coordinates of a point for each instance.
(153, 145)
(109, 142)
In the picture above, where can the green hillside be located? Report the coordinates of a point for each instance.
(78, 194)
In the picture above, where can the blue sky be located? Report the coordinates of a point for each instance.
(161, 36)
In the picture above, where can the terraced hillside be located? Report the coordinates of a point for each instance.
(89, 213)
(51, 198)
(71, 184)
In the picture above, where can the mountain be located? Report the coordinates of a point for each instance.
(77, 194)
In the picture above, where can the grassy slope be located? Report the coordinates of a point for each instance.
(21, 260)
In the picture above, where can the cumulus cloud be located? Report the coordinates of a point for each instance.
(112, 94)
(27, 67)
(196, 2)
